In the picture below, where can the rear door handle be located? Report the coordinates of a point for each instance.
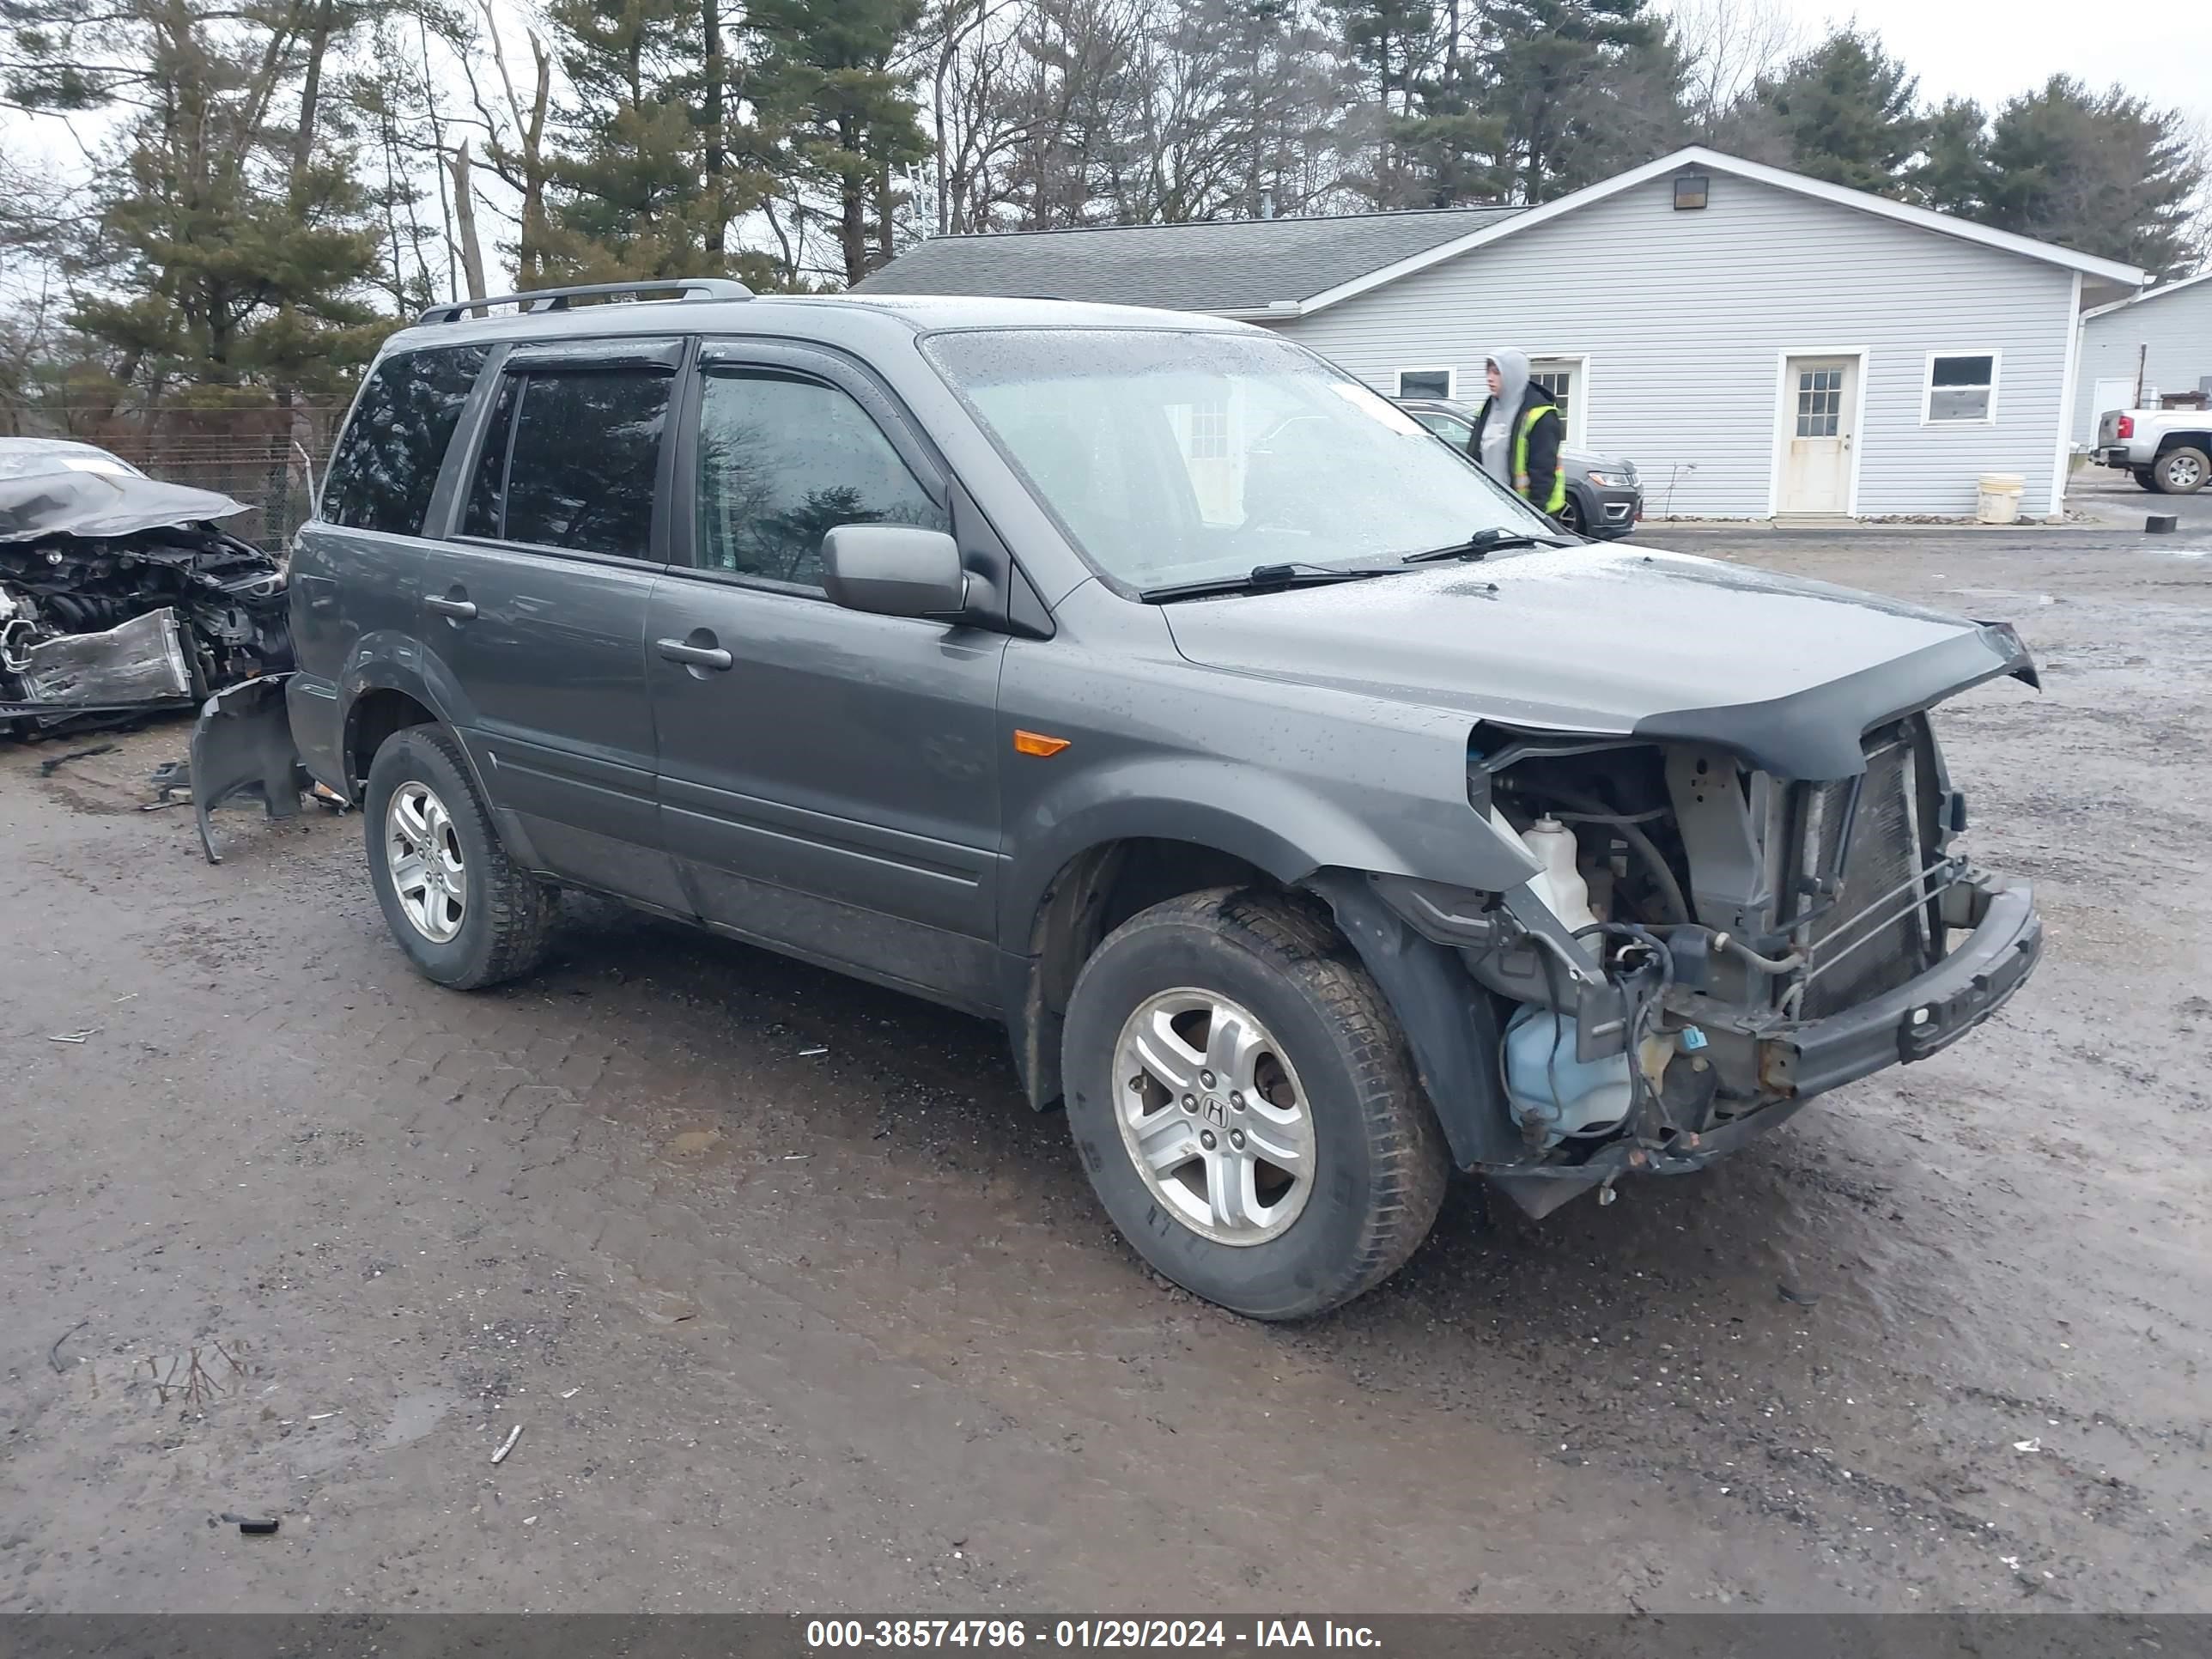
(696, 656)
(459, 610)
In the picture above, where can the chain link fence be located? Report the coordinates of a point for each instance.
(271, 458)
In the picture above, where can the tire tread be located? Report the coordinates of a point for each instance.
(1297, 936)
(521, 910)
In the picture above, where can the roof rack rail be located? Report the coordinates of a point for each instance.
(557, 298)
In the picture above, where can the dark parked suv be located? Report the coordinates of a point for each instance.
(1315, 817)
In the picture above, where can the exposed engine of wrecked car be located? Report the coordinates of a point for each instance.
(119, 595)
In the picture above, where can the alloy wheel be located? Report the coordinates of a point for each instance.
(422, 851)
(1214, 1117)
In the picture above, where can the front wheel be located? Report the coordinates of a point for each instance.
(2181, 471)
(1570, 515)
(1242, 1101)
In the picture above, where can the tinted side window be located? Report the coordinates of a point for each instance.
(487, 506)
(580, 466)
(782, 462)
(386, 463)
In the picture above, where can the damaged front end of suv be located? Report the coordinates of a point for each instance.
(1734, 910)
(121, 596)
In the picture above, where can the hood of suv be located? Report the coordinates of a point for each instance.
(1616, 639)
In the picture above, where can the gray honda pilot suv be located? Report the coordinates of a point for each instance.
(1315, 817)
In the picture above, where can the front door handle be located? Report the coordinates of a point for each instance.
(694, 656)
(459, 610)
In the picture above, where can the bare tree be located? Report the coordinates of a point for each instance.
(1727, 47)
(514, 136)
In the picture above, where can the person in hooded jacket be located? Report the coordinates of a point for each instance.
(1517, 434)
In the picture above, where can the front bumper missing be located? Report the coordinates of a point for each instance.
(1926, 1014)
(1920, 1017)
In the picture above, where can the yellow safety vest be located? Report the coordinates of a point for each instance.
(1558, 498)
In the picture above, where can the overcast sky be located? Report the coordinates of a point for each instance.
(1990, 49)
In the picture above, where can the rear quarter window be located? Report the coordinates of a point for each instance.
(386, 461)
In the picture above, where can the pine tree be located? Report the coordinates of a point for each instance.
(1953, 175)
(842, 118)
(1848, 112)
(644, 183)
(1552, 68)
(228, 246)
(2104, 173)
(1394, 45)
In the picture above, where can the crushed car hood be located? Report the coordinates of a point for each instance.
(1618, 639)
(68, 501)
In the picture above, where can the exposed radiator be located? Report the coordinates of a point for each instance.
(1875, 932)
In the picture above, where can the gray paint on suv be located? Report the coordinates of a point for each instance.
(576, 565)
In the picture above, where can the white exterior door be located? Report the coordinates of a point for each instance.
(1820, 402)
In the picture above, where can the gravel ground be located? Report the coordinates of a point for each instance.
(292, 1231)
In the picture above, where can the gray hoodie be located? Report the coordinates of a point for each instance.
(1495, 441)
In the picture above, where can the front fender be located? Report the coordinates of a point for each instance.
(1280, 822)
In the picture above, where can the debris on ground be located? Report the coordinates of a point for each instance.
(252, 1525)
(1791, 1293)
(85, 1036)
(54, 763)
(508, 1445)
(54, 1354)
(120, 596)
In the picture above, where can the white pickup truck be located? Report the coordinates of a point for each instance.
(2168, 450)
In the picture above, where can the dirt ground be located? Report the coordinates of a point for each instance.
(292, 1231)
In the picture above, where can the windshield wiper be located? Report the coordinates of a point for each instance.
(1266, 579)
(1482, 544)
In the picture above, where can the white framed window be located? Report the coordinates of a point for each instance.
(1961, 389)
(1427, 383)
(1567, 379)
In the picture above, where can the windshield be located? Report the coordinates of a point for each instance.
(1173, 458)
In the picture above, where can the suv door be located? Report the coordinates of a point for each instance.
(828, 779)
(535, 607)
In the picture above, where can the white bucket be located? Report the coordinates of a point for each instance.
(2000, 498)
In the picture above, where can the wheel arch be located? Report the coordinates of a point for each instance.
(372, 717)
(1091, 894)
(384, 695)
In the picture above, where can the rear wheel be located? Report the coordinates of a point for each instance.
(2181, 471)
(2146, 477)
(464, 912)
(1242, 1102)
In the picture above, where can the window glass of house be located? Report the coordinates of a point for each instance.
(1424, 383)
(586, 454)
(1962, 387)
(1559, 382)
(386, 463)
(782, 462)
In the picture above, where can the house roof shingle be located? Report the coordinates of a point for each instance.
(1228, 264)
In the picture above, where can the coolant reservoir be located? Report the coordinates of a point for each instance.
(1562, 885)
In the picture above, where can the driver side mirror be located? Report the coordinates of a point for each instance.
(895, 570)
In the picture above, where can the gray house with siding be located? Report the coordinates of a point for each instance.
(2162, 337)
(1760, 344)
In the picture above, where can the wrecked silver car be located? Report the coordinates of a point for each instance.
(120, 595)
